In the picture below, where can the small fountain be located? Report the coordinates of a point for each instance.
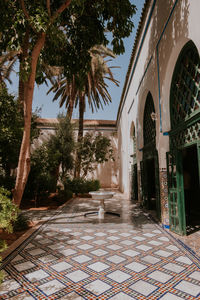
(102, 195)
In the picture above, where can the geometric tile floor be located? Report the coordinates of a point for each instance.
(72, 257)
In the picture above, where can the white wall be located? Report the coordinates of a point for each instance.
(172, 25)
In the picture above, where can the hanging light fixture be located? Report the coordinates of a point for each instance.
(154, 116)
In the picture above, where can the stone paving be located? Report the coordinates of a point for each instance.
(75, 257)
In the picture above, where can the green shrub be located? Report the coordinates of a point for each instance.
(7, 182)
(22, 223)
(51, 161)
(8, 210)
(92, 185)
(39, 185)
(8, 214)
(65, 194)
(82, 186)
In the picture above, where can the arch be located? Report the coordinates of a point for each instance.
(132, 139)
(132, 130)
(185, 86)
(149, 127)
(167, 80)
(140, 113)
(184, 155)
(149, 165)
(133, 164)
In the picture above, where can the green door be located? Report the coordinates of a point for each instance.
(134, 182)
(144, 184)
(176, 193)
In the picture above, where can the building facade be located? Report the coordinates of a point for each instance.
(160, 111)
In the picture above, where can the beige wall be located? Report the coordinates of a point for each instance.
(108, 172)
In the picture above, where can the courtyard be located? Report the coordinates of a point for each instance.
(73, 256)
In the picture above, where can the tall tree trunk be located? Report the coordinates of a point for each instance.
(80, 135)
(81, 117)
(72, 99)
(23, 56)
(70, 109)
(23, 168)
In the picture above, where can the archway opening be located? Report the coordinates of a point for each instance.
(134, 171)
(151, 188)
(149, 164)
(184, 142)
(191, 187)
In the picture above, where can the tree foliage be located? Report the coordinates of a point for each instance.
(57, 33)
(11, 132)
(95, 87)
(52, 160)
(94, 150)
(62, 145)
(71, 29)
(8, 214)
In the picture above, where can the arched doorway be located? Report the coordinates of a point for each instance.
(134, 172)
(149, 164)
(183, 160)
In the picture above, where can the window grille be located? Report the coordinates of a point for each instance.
(185, 88)
(149, 127)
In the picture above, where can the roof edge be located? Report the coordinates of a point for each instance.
(86, 122)
(134, 50)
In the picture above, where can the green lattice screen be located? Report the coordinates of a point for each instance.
(186, 136)
(149, 125)
(185, 88)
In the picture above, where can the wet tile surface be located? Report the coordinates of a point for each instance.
(76, 257)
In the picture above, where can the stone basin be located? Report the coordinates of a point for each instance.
(101, 195)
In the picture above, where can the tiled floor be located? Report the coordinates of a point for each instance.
(77, 257)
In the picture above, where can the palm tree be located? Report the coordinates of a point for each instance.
(94, 87)
(7, 62)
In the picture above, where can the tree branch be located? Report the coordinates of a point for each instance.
(60, 10)
(27, 14)
(48, 8)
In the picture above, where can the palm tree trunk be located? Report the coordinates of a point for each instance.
(80, 135)
(23, 168)
(70, 109)
(81, 117)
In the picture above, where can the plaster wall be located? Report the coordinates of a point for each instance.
(171, 26)
(108, 172)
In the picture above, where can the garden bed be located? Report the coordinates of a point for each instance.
(49, 203)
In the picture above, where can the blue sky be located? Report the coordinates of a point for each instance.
(51, 109)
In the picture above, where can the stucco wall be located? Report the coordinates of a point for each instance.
(108, 172)
(167, 27)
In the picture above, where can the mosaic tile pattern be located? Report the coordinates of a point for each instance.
(68, 260)
(164, 196)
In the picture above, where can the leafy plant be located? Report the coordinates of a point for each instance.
(8, 215)
(51, 161)
(21, 223)
(42, 179)
(81, 186)
(64, 195)
(61, 146)
(11, 132)
(94, 150)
